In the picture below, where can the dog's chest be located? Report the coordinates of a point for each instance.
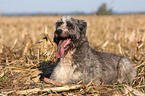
(64, 72)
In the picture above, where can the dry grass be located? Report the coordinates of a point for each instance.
(24, 49)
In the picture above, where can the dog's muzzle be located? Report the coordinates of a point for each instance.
(63, 40)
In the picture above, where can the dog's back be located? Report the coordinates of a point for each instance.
(100, 65)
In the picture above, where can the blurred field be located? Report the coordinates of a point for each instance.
(23, 47)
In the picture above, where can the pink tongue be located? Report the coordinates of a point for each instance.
(60, 47)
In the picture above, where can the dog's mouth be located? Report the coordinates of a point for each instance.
(63, 45)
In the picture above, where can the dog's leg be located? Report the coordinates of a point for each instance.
(126, 71)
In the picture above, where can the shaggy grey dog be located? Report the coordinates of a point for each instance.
(78, 61)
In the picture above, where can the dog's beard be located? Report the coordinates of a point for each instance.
(63, 45)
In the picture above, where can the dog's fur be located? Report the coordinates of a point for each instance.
(78, 61)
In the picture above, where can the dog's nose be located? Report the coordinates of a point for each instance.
(58, 32)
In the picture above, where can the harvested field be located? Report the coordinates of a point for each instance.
(27, 51)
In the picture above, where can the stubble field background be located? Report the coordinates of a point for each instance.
(25, 47)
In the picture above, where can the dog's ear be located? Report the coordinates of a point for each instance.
(82, 25)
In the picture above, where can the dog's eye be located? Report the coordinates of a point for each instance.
(69, 25)
(59, 24)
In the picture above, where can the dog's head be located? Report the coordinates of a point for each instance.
(68, 34)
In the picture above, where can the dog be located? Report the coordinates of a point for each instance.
(77, 61)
